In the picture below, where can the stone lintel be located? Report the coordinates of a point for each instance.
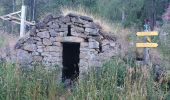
(70, 39)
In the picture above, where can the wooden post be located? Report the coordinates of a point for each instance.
(23, 18)
(146, 50)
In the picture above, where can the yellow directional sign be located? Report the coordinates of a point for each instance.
(153, 33)
(146, 45)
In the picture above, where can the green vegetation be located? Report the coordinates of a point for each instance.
(2, 41)
(127, 12)
(114, 81)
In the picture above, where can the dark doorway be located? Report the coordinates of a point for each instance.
(71, 53)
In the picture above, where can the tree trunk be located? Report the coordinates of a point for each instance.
(123, 16)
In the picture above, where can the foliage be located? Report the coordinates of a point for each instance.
(128, 12)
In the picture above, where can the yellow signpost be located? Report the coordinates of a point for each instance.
(146, 45)
(153, 33)
(149, 44)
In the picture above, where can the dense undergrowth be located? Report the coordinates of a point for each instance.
(116, 80)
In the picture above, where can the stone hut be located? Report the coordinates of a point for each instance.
(73, 42)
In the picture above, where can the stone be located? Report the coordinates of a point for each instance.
(45, 54)
(44, 34)
(105, 48)
(52, 39)
(72, 39)
(33, 31)
(92, 31)
(29, 47)
(61, 29)
(84, 44)
(47, 42)
(86, 18)
(37, 38)
(84, 55)
(40, 50)
(77, 21)
(50, 23)
(91, 25)
(30, 40)
(35, 53)
(83, 63)
(48, 18)
(112, 44)
(62, 25)
(65, 19)
(77, 29)
(158, 71)
(39, 43)
(18, 45)
(56, 54)
(52, 48)
(54, 26)
(37, 58)
(72, 15)
(94, 45)
(40, 25)
(53, 33)
(51, 59)
(57, 44)
(105, 42)
(24, 58)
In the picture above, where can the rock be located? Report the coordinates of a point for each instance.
(77, 29)
(52, 39)
(112, 44)
(57, 44)
(18, 45)
(33, 31)
(105, 42)
(30, 47)
(51, 59)
(48, 18)
(53, 33)
(72, 15)
(105, 48)
(44, 34)
(37, 58)
(24, 58)
(35, 53)
(39, 43)
(47, 42)
(91, 25)
(84, 44)
(37, 38)
(45, 53)
(86, 18)
(40, 25)
(77, 21)
(65, 19)
(93, 32)
(52, 48)
(158, 71)
(54, 26)
(94, 45)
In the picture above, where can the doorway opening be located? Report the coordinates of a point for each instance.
(71, 60)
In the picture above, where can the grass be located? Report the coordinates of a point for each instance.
(114, 81)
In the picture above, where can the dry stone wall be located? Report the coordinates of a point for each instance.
(44, 43)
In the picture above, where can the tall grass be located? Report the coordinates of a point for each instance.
(116, 80)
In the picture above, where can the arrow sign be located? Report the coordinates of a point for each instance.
(153, 33)
(146, 45)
